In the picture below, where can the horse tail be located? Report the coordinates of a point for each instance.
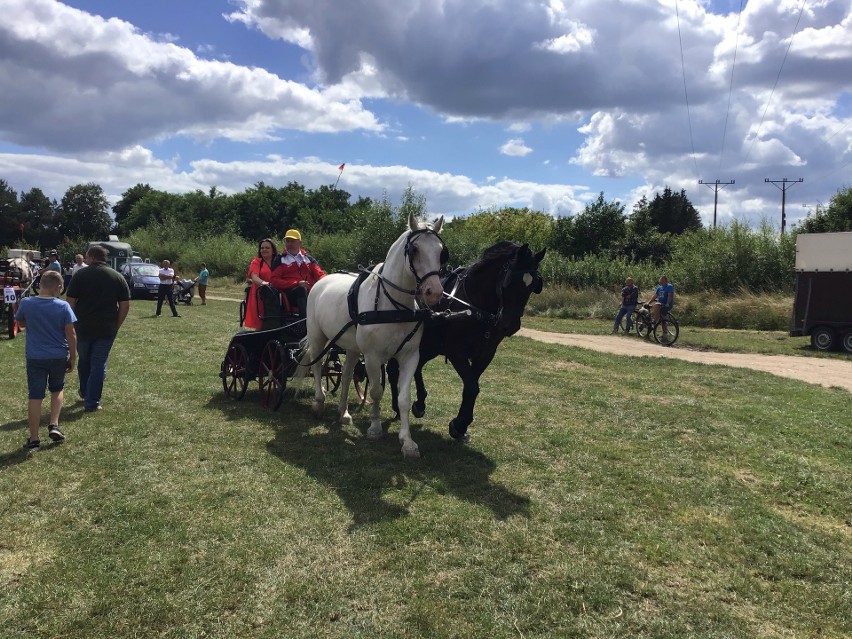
(302, 368)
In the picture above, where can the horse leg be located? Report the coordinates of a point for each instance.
(345, 381)
(392, 369)
(406, 372)
(374, 372)
(418, 408)
(316, 346)
(469, 375)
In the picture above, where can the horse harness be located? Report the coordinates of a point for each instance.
(504, 279)
(401, 313)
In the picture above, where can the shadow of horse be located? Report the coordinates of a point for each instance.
(365, 473)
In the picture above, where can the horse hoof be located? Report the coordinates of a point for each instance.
(459, 437)
(318, 408)
(346, 419)
(375, 432)
(418, 409)
(410, 451)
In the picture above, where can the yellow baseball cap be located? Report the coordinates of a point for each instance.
(293, 234)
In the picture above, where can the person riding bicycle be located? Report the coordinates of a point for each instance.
(663, 299)
(629, 299)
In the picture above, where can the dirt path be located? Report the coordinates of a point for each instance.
(825, 372)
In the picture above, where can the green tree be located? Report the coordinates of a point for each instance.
(10, 217)
(84, 212)
(40, 217)
(124, 206)
(836, 217)
(672, 213)
(599, 229)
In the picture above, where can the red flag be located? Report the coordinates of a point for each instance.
(21, 227)
(340, 168)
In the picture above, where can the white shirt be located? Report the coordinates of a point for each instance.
(77, 267)
(288, 259)
(169, 272)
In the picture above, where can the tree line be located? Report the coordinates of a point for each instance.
(342, 234)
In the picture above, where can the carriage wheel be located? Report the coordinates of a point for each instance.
(234, 372)
(272, 374)
(332, 369)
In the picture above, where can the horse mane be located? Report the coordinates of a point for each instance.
(499, 252)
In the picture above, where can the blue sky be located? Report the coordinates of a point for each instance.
(474, 103)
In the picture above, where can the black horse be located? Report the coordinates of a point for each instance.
(495, 290)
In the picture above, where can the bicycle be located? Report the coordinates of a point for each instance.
(665, 330)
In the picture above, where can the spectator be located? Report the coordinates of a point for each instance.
(201, 280)
(629, 299)
(52, 262)
(259, 274)
(101, 300)
(296, 272)
(51, 351)
(166, 289)
(78, 264)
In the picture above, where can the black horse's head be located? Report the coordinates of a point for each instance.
(514, 269)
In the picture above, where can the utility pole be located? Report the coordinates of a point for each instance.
(716, 186)
(785, 184)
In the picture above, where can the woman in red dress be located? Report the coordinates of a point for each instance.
(259, 273)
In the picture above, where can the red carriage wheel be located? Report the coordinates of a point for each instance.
(234, 371)
(272, 374)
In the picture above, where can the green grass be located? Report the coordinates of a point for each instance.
(584, 506)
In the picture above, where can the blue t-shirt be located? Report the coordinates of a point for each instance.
(203, 274)
(663, 293)
(46, 319)
(54, 266)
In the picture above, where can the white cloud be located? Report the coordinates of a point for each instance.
(516, 148)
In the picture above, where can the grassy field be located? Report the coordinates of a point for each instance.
(585, 506)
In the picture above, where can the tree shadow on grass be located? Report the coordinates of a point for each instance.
(372, 478)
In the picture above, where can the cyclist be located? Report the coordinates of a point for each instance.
(663, 299)
(629, 299)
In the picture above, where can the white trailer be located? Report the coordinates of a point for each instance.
(822, 304)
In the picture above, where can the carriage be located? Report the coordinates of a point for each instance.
(16, 278)
(270, 355)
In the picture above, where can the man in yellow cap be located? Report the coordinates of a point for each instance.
(295, 271)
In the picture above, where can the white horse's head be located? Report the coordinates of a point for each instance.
(426, 254)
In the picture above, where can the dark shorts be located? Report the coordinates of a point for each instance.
(43, 373)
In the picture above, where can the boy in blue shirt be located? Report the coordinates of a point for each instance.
(663, 299)
(51, 352)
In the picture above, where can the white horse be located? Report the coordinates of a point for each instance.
(409, 272)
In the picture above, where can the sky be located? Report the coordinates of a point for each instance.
(475, 104)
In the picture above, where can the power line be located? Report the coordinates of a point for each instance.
(785, 184)
(685, 93)
(716, 186)
(730, 90)
(777, 78)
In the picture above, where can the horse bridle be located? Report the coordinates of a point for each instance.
(504, 279)
(409, 243)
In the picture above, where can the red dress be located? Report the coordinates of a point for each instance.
(261, 269)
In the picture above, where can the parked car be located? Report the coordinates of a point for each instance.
(142, 278)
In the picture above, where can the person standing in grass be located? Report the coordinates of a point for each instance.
(629, 299)
(51, 350)
(166, 290)
(100, 298)
(201, 280)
